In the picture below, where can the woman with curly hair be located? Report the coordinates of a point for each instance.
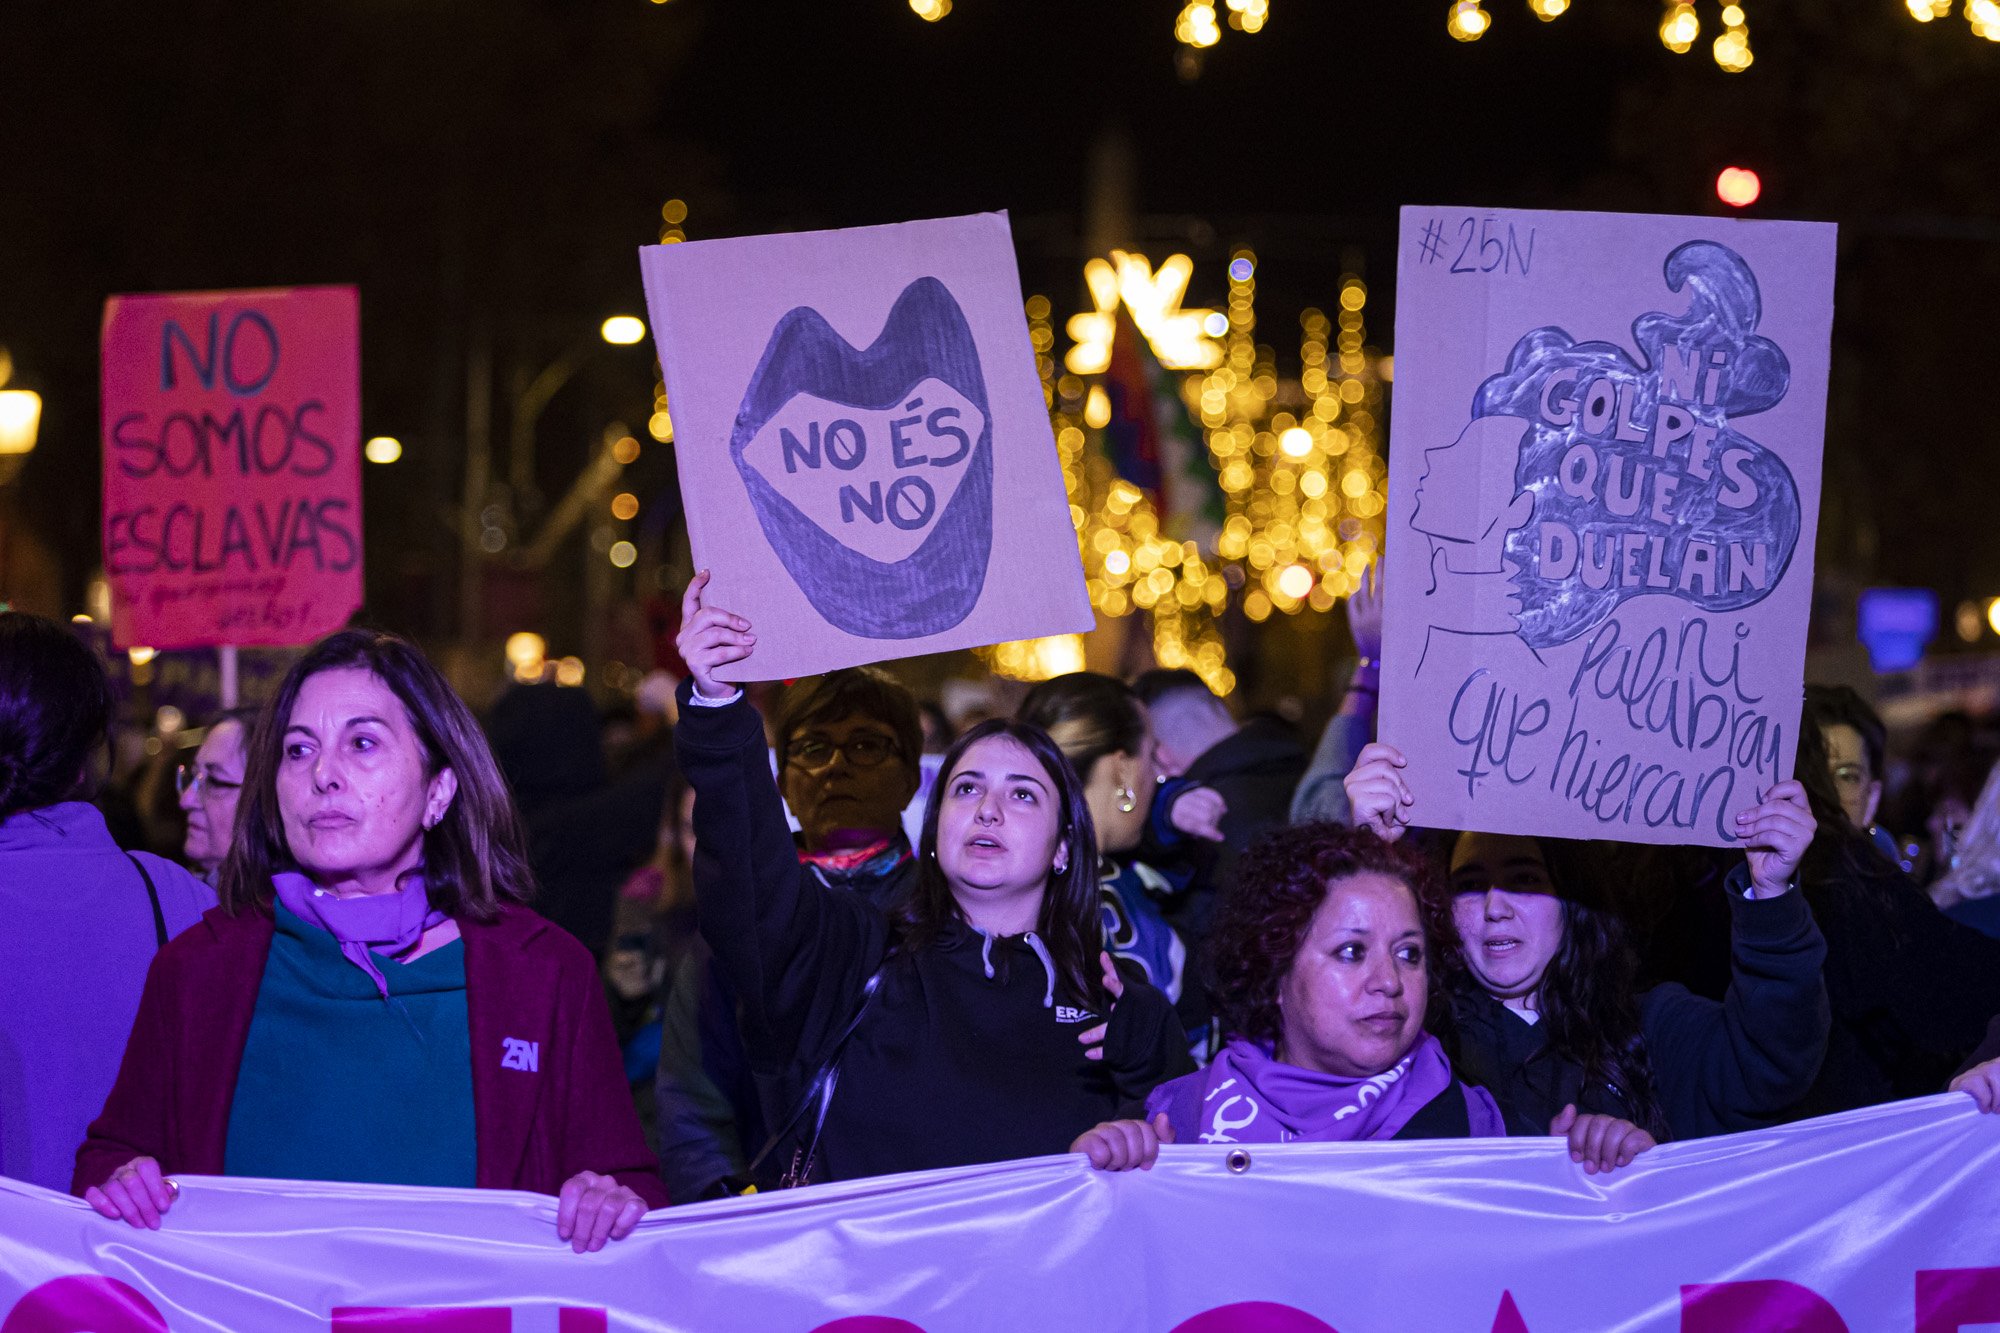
(1326, 968)
(1546, 1012)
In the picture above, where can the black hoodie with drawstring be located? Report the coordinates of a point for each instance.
(967, 1052)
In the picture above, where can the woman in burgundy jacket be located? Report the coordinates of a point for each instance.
(371, 1002)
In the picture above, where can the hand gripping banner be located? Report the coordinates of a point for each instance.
(1885, 1220)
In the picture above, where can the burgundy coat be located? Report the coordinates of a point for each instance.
(549, 1096)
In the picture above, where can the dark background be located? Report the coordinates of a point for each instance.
(485, 171)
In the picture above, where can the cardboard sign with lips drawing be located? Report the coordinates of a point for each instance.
(865, 455)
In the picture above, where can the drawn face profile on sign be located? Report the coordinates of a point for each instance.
(1468, 505)
(866, 459)
(871, 471)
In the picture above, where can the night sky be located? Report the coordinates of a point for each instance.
(484, 172)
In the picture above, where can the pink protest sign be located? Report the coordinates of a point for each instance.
(232, 466)
(1603, 494)
(865, 455)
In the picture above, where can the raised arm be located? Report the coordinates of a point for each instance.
(1732, 1066)
(795, 952)
(1321, 792)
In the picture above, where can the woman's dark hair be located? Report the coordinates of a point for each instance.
(55, 708)
(864, 691)
(1280, 884)
(1844, 871)
(474, 859)
(1069, 923)
(1587, 999)
(1088, 715)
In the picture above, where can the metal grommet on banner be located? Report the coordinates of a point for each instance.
(1238, 1161)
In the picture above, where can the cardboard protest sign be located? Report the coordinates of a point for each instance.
(232, 466)
(1603, 493)
(865, 455)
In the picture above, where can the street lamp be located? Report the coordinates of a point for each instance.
(20, 419)
(623, 330)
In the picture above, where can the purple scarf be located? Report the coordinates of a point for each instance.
(389, 922)
(1248, 1096)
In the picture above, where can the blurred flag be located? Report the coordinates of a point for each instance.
(1153, 444)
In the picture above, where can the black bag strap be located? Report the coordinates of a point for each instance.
(820, 1090)
(152, 893)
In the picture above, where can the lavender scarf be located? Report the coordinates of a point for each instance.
(1246, 1095)
(388, 922)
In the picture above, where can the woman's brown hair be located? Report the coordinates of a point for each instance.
(474, 859)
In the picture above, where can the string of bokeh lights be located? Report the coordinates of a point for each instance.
(1297, 456)
(1681, 27)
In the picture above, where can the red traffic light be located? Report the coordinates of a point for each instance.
(1738, 187)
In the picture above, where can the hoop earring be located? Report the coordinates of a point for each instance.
(1128, 800)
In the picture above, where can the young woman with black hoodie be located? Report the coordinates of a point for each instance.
(1546, 1011)
(981, 1022)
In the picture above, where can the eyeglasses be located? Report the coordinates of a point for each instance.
(190, 778)
(863, 751)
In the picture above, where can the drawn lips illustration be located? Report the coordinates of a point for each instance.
(871, 470)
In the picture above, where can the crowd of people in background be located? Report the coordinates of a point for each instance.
(778, 936)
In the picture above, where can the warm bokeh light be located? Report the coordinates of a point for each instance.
(1970, 622)
(1993, 614)
(1197, 26)
(569, 672)
(79, 619)
(526, 654)
(20, 419)
(1036, 659)
(1680, 27)
(1295, 582)
(382, 449)
(623, 330)
(930, 11)
(1738, 187)
(1097, 408)
(623, 554)
(625, 450)
(1548, 9)
(1296, 442)
(140, 655)
(1467, 22)
(625, 505)
(1182, 339)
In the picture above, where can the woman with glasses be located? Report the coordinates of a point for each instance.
(209, 786)
(979, 1020)
(80, 920)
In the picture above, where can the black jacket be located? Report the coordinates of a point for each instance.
(1718, 1068)
(713, 1113)
(964, 1055)
(1255, 769)
(1912, 989)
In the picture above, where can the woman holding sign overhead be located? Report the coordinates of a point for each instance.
(1546, 1010)
(981, 1021)
(371, 1002)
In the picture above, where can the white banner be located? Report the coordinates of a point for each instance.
(1877, 1221)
